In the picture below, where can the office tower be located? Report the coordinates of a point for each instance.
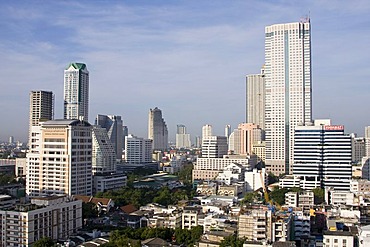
(255, 99)
(367, 141)
(41, 108)
(322, 155)
(138, 150)
(182, 138)
(246, 136)
(59, 161)
(76, 92)
(358, 149)
(11, 139)
(157, 130)
(288, 90)
(198, 141)
(114, 126)
(206, 131)
(227, 131)
(124, 135)
(103, 153)
(214, 147)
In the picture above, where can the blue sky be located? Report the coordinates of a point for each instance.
(189, 58)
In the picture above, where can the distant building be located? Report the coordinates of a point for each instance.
(206, 131)
(114, 126)
(104, 182)
(60, 159)
(124, 135)
(358, 149)
(182, 138)
(157, 130)
(255, 99)
(209, 168)
(76, 92)
(246, 136)
(41, 108)
(138, 150)
(103, 153)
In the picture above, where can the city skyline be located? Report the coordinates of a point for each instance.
(136, 51)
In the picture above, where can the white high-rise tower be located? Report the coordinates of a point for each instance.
(288, 90)
(76, 91)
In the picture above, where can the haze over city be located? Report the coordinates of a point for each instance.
(188, 58)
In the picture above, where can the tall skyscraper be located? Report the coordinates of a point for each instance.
(182, 138)
(76, 91)
(367, 141)
(288, 90)
(227, 131)
(114, 126)
(59, 160)
(41, 108)
(323, 155)
(157, 130)
(255, 99)
(124, 134)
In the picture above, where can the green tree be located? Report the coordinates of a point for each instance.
(278, 195)
(44, 242)
(249, 197)
(232, 241)
(319, 195)
(89, 210)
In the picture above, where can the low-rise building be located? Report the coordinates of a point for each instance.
(54, 217)
(109, 182)
(338, 239)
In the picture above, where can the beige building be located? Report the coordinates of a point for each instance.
(255, 224)
(209, 168)
(53, 217)
(59, 161)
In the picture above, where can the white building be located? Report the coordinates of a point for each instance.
(214, 147)
(367, 141)
(104, 183)
(41, 108)
(60, 159)
(288, 90)
(182, 138)
(138, 150)
(114, 126)
(233, 173)
(76, 92)
(364, 235)
(255, 179)
(157, 130)
(322, 152)
(103, 154)
(20, 167)
(338, 239)
(206, 131)
(54, 217)
(208, 168)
